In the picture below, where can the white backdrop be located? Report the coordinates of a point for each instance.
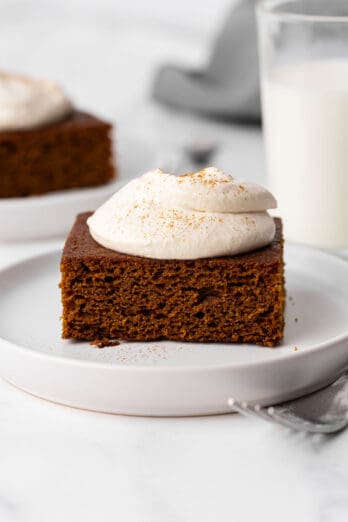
(105, 51)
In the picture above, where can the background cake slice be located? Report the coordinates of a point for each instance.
(73, 153)
(46, 144)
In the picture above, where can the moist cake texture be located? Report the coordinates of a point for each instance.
(72, 153)
(109, 295)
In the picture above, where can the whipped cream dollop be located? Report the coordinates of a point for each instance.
(197, 215)
(26, 103)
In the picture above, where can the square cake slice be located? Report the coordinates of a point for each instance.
(108, 295)
(75, 152)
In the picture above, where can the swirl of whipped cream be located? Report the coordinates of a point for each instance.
(27, 103)
(198, 215)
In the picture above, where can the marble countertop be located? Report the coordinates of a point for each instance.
(63, 464)
(60, 464)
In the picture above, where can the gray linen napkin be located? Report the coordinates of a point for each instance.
(229, 86)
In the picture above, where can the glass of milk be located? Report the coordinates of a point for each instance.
(304, 77)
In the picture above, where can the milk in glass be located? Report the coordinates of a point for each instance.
(305, 111)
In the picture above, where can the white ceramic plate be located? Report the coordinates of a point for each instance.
(52, 215)
(163, 378)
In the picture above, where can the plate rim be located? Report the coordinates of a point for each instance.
(283, 358)
(51, 197)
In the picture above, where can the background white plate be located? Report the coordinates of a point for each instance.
(163, 378)
(52, 215)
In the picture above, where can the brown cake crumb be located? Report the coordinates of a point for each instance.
(109, 295)
(103, 343)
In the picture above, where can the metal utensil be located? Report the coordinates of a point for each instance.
(194, 156)
(324, 411)
(201, 152)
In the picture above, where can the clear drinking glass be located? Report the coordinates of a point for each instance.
(304, 79)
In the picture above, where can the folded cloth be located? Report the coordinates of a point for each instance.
(229, 87)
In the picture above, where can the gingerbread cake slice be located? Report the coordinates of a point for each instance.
(111, 295)
(75, 152)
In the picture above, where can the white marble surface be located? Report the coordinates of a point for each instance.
(59, 464)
